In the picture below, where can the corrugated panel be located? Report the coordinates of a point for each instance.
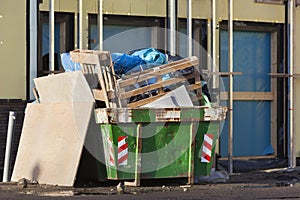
(138, 7)
(69, 5)
(107, 7)
(248, 10)
(121, 7)
(200, 9)
(244, 10)
(45, 5)
(156, 8)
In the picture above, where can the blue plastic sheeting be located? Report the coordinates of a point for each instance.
(151, 55)
(138, 61)
(251, 119)
(68, 64)
(252, 57)
(124, 63)
(251, 132)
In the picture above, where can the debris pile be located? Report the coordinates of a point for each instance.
(139, 79)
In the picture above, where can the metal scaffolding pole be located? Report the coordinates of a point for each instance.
(189, 27)
(80, 20)
(292, 156)
(100, 24)
(214, 43)
(230, 65)
(172, 26)
(33, 24)
(51, 36)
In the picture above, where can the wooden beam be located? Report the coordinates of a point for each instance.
(283, 75)
(249, 96)
(100, 95)
(158, 71)
(150, 87)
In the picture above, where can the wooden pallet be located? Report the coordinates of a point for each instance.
(128, 90)
(98, 69)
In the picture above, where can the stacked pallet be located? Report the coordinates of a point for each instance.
(133, 90)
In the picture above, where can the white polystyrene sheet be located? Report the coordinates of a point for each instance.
(64, 87)
(55, 130)
(176, 98)
(51, 143)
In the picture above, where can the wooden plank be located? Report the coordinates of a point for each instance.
(158, 71)
(86, 56)
(193, 60)
(153, 98)
(226, 73)
(283, 75)
(144, 101)
(249, 157)
(274, 61)
(36, 95)
(151, 87)
(194, 87)
(100, 96)
(249, 96)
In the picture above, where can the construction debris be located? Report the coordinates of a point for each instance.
(137, 89)
(54, 131)
(62, 119)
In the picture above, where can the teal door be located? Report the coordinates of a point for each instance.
(253, 95)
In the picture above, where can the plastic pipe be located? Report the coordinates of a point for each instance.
(51, 36)
(9, 139)
(230, 65)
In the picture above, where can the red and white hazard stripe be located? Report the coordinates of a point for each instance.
(207, 148)
(110, 155)
(122, 150)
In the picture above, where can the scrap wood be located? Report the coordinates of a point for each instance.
(128, 82)
(124, 92)
(99, 63)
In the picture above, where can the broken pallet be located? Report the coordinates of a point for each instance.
(98, 69)
(130, 85)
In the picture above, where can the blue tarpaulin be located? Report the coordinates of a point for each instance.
(68, 64)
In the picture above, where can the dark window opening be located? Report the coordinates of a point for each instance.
(64, 40)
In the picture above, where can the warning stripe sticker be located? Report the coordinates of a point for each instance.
(207, 148)
(122, 151)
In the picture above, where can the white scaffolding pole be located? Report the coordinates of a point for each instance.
(214, 42)
(291, 156)
(51, 36)
(33, 43)
(172, 14)
(100, 24)
(230, 65)
(189, 28)
(80, 24)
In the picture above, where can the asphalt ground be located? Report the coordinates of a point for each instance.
(263, 184)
